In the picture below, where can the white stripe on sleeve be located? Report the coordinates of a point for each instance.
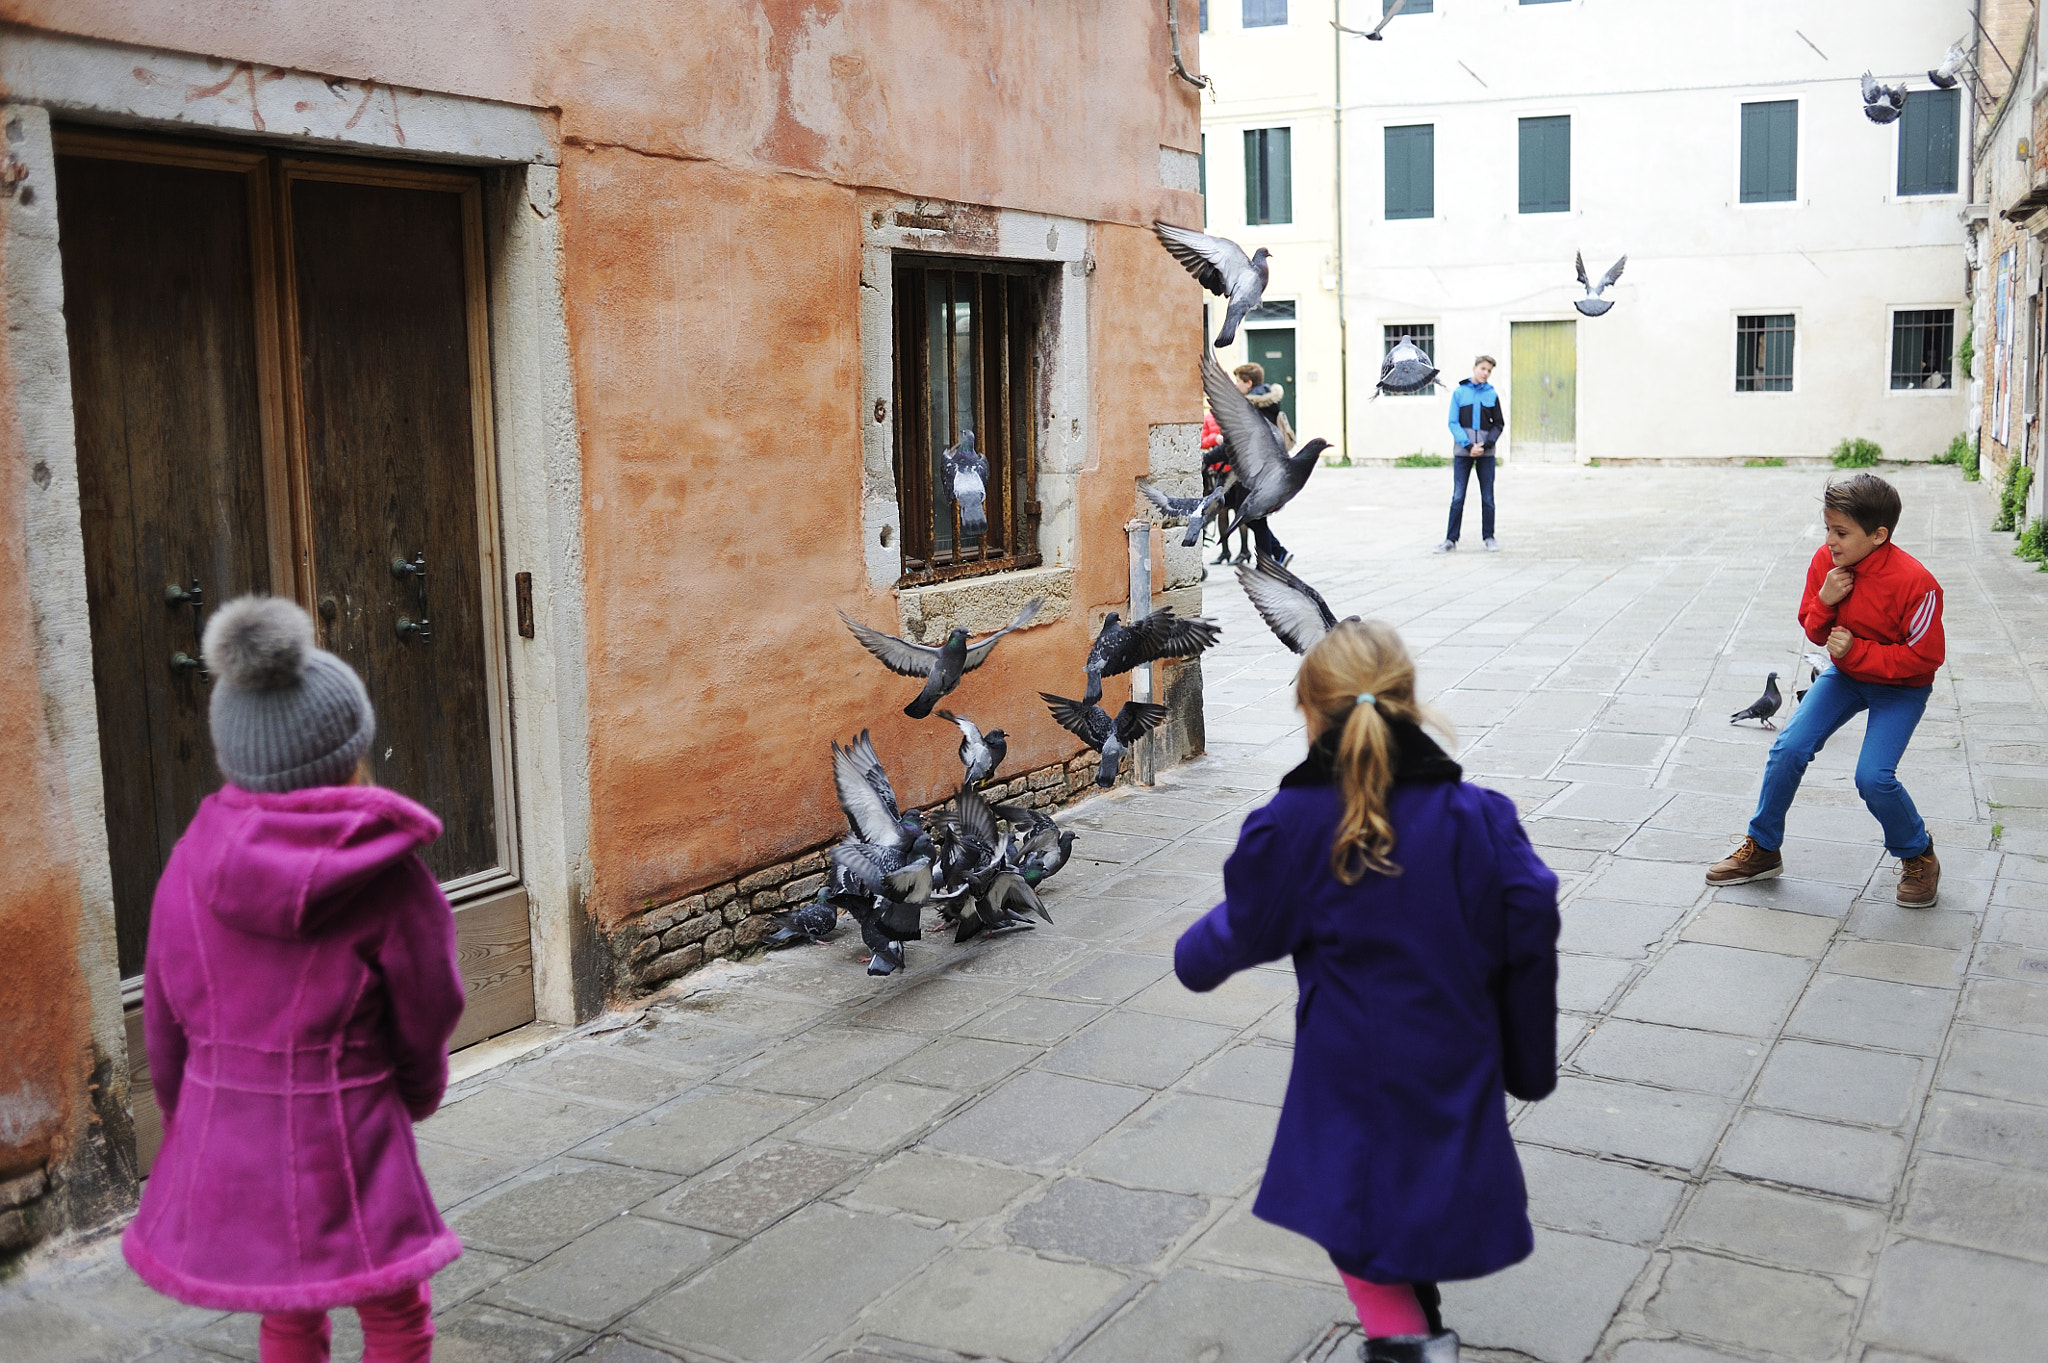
(1923, 619)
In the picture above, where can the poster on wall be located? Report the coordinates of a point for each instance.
(2001, 348)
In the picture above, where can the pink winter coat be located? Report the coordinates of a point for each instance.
(300, 991)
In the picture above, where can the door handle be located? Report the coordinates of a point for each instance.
(195, 597)
(409, 628)
(415, 568)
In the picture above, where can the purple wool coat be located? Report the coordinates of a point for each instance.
(300, 990)
(1422, 997)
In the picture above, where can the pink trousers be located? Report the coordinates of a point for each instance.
(396, 1329)
(1383, 1308)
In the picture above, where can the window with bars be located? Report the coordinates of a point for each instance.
(1928, 140)
(967, 358)
(1923, 347)
(1770, 152)
(1412, 7)
(1268, 176)
(1546, 164)
(1763, 353)
(1424, 336)
(1264, 13)
(1411, 171)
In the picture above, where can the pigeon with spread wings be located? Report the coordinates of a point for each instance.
(1220, 266)
(1260, 462)
(981, 753)
(1119, 647)
(941, 667)
(1198, 510)
(1882, 103)
(1593, 305)
(1406, 369)
(1957, 58)
(1112, 738)
(1293, 610)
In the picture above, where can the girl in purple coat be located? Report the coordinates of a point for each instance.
(1423, 928)
(298, 997)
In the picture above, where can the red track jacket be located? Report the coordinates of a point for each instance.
(1894, 612)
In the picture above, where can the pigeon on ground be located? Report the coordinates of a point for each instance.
(1593, 305)
(1293, 610)
(887, 904)
(1220, 265)
(1038, 846)
(812, 922)
(1002, 907)
(1091, 724)
(882, 873)
(1405, 370)
(981, 753)
(967, 477)
(1764, 706)
(1882, 103)
(1375, 35)
(1270, 475)
(1118, 648)
(1811, 665)
(1944, 75)
(1198, 510)
(969, 827)
(941, 667)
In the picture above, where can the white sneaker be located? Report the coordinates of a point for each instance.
(1445, 547)
(1492, 545)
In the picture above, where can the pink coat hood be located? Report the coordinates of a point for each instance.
(299, 992)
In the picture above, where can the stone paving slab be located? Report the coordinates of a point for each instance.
(1794, 1121)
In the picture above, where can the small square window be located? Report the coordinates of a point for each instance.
(1546, 164)
(1923, 348)
(1264, 13)
(1411, 171)
(1424, 336)
(1763, 353)
(966, 360)
(1928, 141)
(1770, 152)
(1268, 176)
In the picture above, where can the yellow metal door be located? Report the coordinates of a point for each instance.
(1543, 359)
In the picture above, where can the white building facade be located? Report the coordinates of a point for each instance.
(1794, 271)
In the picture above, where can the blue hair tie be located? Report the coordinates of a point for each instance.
(1367, 698)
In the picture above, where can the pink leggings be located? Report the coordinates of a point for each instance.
(396, 1329)
(1383, 1309)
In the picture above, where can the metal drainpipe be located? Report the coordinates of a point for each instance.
(1337, 250)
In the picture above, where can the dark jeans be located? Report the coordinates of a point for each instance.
(1461, 471)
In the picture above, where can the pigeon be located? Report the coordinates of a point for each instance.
(1811, 665)
(1764, 706)
(812, 922)
(1220, 265)
(941, 667)
(1270, 475)
(970, 827)
(1944, 75)
(1038, 846)
(1112, 738)
(967, 476)
(992, 911)
(981, 753)
(1882, 103)
(1293, 610)
(1377, 32)
(883, 870)
(1198, 510)
(1119, 648)
(1593, 305)
(1405, 370)
(887, 904)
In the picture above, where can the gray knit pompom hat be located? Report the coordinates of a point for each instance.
(285, 714)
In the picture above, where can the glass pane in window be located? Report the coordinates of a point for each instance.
(1763, 353)
(1268, 177)
(1770, 151)
(1923, 342)
(1412, 7)
(1411, 171)
(1928, 141)
(1264, 13)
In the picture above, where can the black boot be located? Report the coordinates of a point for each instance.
(1441, 1347)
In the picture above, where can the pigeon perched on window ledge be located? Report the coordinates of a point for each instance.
(967, 479)
(941, 667)
(1593, 305)
(1764, 706)
(1220, 266)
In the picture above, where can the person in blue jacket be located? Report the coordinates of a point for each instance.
(1477, 418)
(1423, 928)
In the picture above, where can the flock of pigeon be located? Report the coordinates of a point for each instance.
(1884, 103)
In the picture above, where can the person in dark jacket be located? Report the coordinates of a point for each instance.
(1265, 399)
(1423, 928)
(1477, 418)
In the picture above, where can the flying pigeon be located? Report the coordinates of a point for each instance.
(967, 476)
(1221, 267)
(1405, 370)
(1882, 103)
(886, 903)
(1374, 35)
(882, 873)
(1112, 738)
(1811, 665)
(1293, 610)
(1764, 706)
(1593, 305)
(1944, 75)
(981, 753)
(941, 667)
(812, 922)
(1118, 647)
(1198, 510)
(1270, 475)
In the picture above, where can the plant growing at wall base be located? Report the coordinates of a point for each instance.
(1966, 354)
(1954, 454)
(1973, 461)
(2031, 546)
(1421, 460)
(2018, 478)
(1856, 453)
(1771, 463)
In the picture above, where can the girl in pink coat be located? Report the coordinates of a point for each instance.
(299, 993)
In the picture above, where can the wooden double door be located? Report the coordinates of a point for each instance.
(281, 383)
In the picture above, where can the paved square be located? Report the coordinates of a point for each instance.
(1795, 1121)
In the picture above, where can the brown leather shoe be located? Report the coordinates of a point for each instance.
(1746, 863)
(1919, 880)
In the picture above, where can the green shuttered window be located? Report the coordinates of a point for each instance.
(1547, 164)
(1927, 141)
(1411, 171)
(1770, 152)
(1268, 176)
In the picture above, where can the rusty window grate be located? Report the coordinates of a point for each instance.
(1763, 353)
(967, 359)
(1923, 347)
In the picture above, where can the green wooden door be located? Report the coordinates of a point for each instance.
(1543, 360)
(1273, 351)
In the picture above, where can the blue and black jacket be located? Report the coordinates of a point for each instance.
(1477, 407)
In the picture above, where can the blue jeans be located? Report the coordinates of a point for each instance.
(1462, 465)
(1832, 702)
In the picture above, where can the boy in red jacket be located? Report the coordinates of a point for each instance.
(1878, 612)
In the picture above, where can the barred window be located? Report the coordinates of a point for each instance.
(1763, 353)
(1264, 13)
(1424, 336)
(1923, 346)
(967, 359)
